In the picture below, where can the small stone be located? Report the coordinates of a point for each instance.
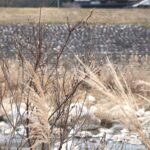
(117, 127)
(118, 138)
(140, 112)
(21, 130)
(78, 110)
(93, 141)
(135, 141)
(83, 134)
(90, 100)
(3, 126)
(69, 145)
(147, 114)
(108, 137)
(100, 135)
(108, 131)
(90, 122)
(134, 135)
(124, 132)
(8, 131)
(17, 112)
(93, 110)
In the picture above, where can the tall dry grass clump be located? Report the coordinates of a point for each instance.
(121, 99)
(45, 96)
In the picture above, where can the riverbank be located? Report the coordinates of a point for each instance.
(55, 16)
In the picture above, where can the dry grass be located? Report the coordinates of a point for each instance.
(47, 96)
(119, 99)
(121, 92)
(54, 15)
(48, 92)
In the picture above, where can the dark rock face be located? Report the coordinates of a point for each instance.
(110, 40)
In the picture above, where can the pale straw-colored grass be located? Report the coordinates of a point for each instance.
(55, 15)
(122, 101)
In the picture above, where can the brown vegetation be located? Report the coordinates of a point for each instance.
(54, 15)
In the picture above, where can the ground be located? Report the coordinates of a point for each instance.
(54, 15)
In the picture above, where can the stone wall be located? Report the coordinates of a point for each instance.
(114, 41)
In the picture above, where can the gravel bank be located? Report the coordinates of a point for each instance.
(112, 40)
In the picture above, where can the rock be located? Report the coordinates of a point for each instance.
(78, 110)
(140, 112)
(118, 138)
(117, 127)
(108, 137)
(100, 135)
(83, 134)
(103, 38)
(17, 112)
(82, 117)
(134, 135)
(8, 131)
(107, 131)
(147, 107)
(147, 114)
(77, 113)
(104, 135)
(70, 145)
(4, 127)
(93, 140)
(21, 130)
(90, 100)
(90, 122)
(124, 132)
(134, 141)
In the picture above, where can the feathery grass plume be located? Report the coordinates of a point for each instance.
(121, 98)
(39, 125)
(52, 106)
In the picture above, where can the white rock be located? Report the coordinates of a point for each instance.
(91, 100)
(83, 134)
(140, 112)
(105, 135)
(72, 133)
(108, 131)
(78, 110)
(90, 122)
(3, 126)
(135, 141)
(118, 138)
(108, 136)
(147, 133)
(147, 114)
(93, 109)
(100, 135)
(8, 131)
(117, 127)
(21, 130)
(70, 145)
(134, 135)
(17, 110)
(124, 132)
